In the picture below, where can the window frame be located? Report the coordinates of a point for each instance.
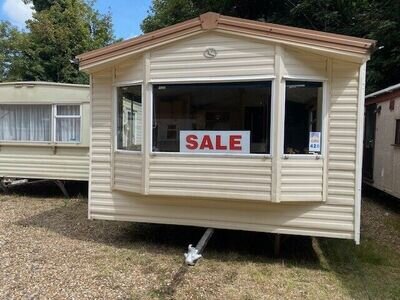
(324, 123)
(52, 140)
(55, 117)
(396, 132)
(116, 86)
(271, 79)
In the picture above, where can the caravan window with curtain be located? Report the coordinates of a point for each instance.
(25, 122)
(68, 123)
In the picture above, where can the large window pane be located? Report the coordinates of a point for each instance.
(129, 118)
(25, 123)
(68, 123)
(212, 107)
(303, 116)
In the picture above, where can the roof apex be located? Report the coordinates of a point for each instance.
(209, 20)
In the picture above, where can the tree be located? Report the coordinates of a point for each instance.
(40, 5)
(167, 12)
(10, 55)
(375, 19)
(58, 31)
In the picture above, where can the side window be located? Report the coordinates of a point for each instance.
(397, 135)
(29, 123)
(303, 117)
(129, 118)
(68, 123)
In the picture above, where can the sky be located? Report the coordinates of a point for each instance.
(127, 14)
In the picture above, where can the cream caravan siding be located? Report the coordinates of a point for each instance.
(43, 93)
(301, 180)
(386, 156)
(128, 171)
(44, 162)
(129, 71)
(185, 60)
(101, 133)
(342, 133)
(218, 177)
(214, 191)
(41, 160)
(304, 64)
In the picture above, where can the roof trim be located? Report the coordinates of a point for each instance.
(384, 95)
(212, 21)
(384, 91)
(45, 83)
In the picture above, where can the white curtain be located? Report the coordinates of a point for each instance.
(68, 123)
(25, 122)
(68, 110)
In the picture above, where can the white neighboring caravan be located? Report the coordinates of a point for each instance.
(44, 131)
(381, 168)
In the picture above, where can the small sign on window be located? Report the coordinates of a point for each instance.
(214, 141)
(315, 142)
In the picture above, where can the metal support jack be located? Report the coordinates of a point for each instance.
(194, 253)
(277, 244)
(3, 186)
(61, 186)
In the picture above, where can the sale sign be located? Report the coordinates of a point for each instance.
(214, 141)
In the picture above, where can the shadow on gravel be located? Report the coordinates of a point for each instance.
(76, 189)
(387, 201)
(71, 221)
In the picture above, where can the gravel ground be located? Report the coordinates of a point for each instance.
(48, 249)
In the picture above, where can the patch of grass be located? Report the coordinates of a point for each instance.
(369, 270)
(393, 222)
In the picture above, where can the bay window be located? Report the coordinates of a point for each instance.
(303, 117)
(212, 110)
(129, 118)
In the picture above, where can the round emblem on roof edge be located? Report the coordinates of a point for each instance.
(210, 53)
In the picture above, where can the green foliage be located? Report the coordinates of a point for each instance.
(374, 19)
(10, 56)
(58, 31)
(40, 5)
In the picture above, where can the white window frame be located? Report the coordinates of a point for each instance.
(324, 123)
(55, 117)
(230, 80)
(116, 86)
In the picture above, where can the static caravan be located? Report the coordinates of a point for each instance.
(228, 123)
(44, 131)
(381, 168)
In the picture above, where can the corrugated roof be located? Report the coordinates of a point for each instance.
(214, 21)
